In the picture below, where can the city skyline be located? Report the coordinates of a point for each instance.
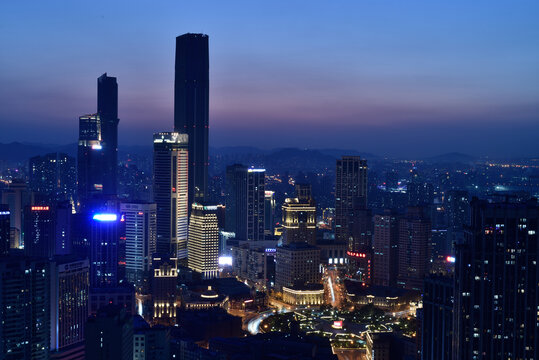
(368, 77)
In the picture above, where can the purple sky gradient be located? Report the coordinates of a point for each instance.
(389, 77)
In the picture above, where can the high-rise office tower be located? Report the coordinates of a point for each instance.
(414, 248)
(24, 308)
(437, 319)
(496, 276)
(17, 197)
(457, 209)
(97, 159)
(299, 217)
(4, 229)
(90, 163)
(40, 231)
(245, 192)
(53, 176)
(385, 248)
(109, 335)
(63, 219)
(104, 249)
(191, 108)
(203, 241)
(140, 240)
(107, 108)
(269, 212)
(70, 282)
(350, 193)
(171, 187)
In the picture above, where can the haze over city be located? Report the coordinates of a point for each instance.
(395, 78)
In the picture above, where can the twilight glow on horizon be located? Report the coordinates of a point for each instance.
(387, 77)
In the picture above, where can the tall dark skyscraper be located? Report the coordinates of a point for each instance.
(245, 192)
(97, 159)
(350, 194)
(191, 108)
(496, 276)
(104, 250)
(107, 108)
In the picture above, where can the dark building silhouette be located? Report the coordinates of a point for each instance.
(496, 276)
(104, 240)
(191, 108)
(109, 334)
(414, 248)
(40, 231)
(97, 158)
(437, 321)
(350, 194)
(107, 108)
(24, 308)
(245, 204)
(385, 248)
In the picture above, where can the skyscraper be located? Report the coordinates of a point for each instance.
(245, 193)
(414, 248)
(385, 248)
(54, 176)
(104, 250)
(107, 108)
(350, 194)
(496, 276)
(109, 335)
(97, 159)
(17, 197)
(299, 217)
(140, 240)
(203, 241)
(170, 169)
(90, 161)
(24, 308)
(40, 231)
(191, 107)
(269, 212)
(70, 284)
(296, 264)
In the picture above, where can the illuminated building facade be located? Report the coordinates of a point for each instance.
(385, 248)
(312, 294)
(191, 108)
(104, 240)
(296, 264)
(54, 176)
(24, 308)
(203, 244)
(350, 193)
(140, 241)
(299, 217)
(164, 293)
(171, 187)
(414, 249)
(70, 285)
(496, 276)
(245, 202)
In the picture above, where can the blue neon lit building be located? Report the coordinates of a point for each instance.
(104, 241)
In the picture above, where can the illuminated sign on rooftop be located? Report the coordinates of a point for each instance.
(97, 147)
(256, 170)
(105, 217)
(40, 208)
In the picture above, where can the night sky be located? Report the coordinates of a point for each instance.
(389, 77)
